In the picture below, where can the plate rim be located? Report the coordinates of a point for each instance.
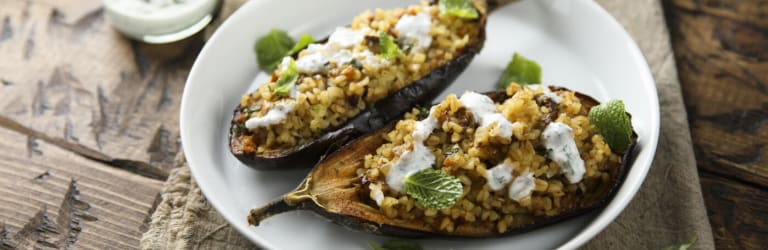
(605, 215)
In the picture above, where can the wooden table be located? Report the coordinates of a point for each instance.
(721, 48)
(89, 120)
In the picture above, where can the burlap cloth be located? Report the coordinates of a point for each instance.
(668, 208)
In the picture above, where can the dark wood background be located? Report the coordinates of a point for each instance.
(721, 48)
(89, 120)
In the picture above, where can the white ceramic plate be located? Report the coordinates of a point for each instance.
(578, 44)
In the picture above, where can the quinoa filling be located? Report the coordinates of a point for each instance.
(531, 155)
(341, 77)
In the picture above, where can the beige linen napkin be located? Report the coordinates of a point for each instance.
(668, 209)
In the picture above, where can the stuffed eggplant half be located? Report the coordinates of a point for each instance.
(479, 165)
(361, 78)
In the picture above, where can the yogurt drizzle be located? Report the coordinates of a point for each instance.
(414, 29)
(561, 148)
(552, 96)
(376, 194)
(338, 50)
(485, 112)
(414, 160)
(499, 176)
(275, 115)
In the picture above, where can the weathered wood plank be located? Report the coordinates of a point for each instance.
(754, 12)
(738, 213)
(723, 66)
(722, 59)
(53, 198)
(70, 79)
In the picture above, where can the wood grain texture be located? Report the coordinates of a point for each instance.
(737, 211)
(70, 79)
(721, 49)
(723, 66)
(53, 198)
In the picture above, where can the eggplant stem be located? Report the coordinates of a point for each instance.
(275, 207)
(289, 202)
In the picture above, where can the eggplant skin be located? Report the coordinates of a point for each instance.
(330, 190)
(384, 111)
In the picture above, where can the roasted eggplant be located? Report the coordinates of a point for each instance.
(340, 186)
(311, 136)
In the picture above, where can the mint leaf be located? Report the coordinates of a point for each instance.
(520, 70)
(458, 8)
(287, 79)
(395, 245)
(683, 246)
(433, 188)
(304, 41)
(613, 124)
(388, 46)
(271, 48)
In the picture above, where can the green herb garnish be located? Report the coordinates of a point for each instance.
(683, 246)
(395, 245)
(520, 70)
(304, 41)
(271, 48)
(388, 46)
(458, 8)
(433, 188)
(287, 79)
(613, 124)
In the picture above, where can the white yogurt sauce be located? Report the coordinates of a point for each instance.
(485, 112)
(371, 60)
(552, 96)
(275, 115)
(415, 30)
(522, 186)
(337, 50)
(344, 37)
(311, 62)
(561, 148)
(499, 176)
(140, 18)
(415, 160)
